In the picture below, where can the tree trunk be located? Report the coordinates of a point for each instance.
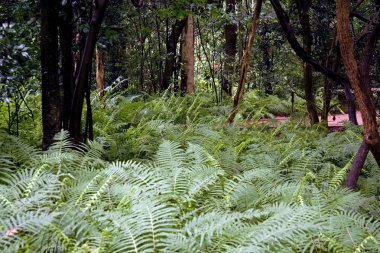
(99, 73)
(267, 61)
(84, 68)
(357, 165)
(283, 19)
(67, 61)
(359, 77)
(304, 17)
(51, 106)
(171, 52)
(245, 61)
(187, 57)
(230, 34)
(331, 63)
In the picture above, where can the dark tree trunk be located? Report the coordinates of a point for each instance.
(171, 52)
(66, 43)
(283, 19)
(290, 35)
(81, 80)
(89, 130)
(51, 106)
(230, 33)
(304, 17)
(351, 103)
(331, 63)
(267, 61)
(357, 165)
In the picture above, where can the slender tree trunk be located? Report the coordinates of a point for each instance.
(351, 103)
(210, 66)
(357, 165)
(332, 62)
(51, 106)
(84, 68)
(304, 16)
(245, 61)
(230, 34)
(99, 73)
(142, 55)
(359, 76)
(267, 61)
(171, 52)
(67, 61)
(187, 57)
(89, 129)
(159, 60)
(283, 19)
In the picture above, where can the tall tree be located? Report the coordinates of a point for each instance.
(171, 51)
(304, 17)
(187, 56)
(230, 34)
(81, 80)
(245, 61)
(358, 74)
(51, 106)
(266, 67)
(283, 19)
(66, 46)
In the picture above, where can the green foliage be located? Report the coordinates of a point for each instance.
(176, 179)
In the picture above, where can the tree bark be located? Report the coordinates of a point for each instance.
(359, 76)
(230, 34)
(245, 61)
(298, 49)
(267, 61)
(67, 61)
(187, 57)
(357, 165)
(331, 63)
(304, 17)
(171, 51)
(333, 75)
(99, 73)
(51, 106)
(84, 68)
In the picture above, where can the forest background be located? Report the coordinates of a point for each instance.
(180, 88)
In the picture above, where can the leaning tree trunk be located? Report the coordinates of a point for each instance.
(230, 34)
(245, 61)
(357, 165)
(187, 57)
(81, 80)
(283, 19)
(359, 77)
(304, 16)
(51, 106)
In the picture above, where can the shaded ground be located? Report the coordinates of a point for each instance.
(334, 120)
(338, 120)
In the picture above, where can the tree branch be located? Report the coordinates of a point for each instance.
(298, 49)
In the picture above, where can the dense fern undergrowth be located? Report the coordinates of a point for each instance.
(169, 175)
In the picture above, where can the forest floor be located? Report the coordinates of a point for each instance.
(334, 120)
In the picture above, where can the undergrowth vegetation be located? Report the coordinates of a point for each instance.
(169, 175)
